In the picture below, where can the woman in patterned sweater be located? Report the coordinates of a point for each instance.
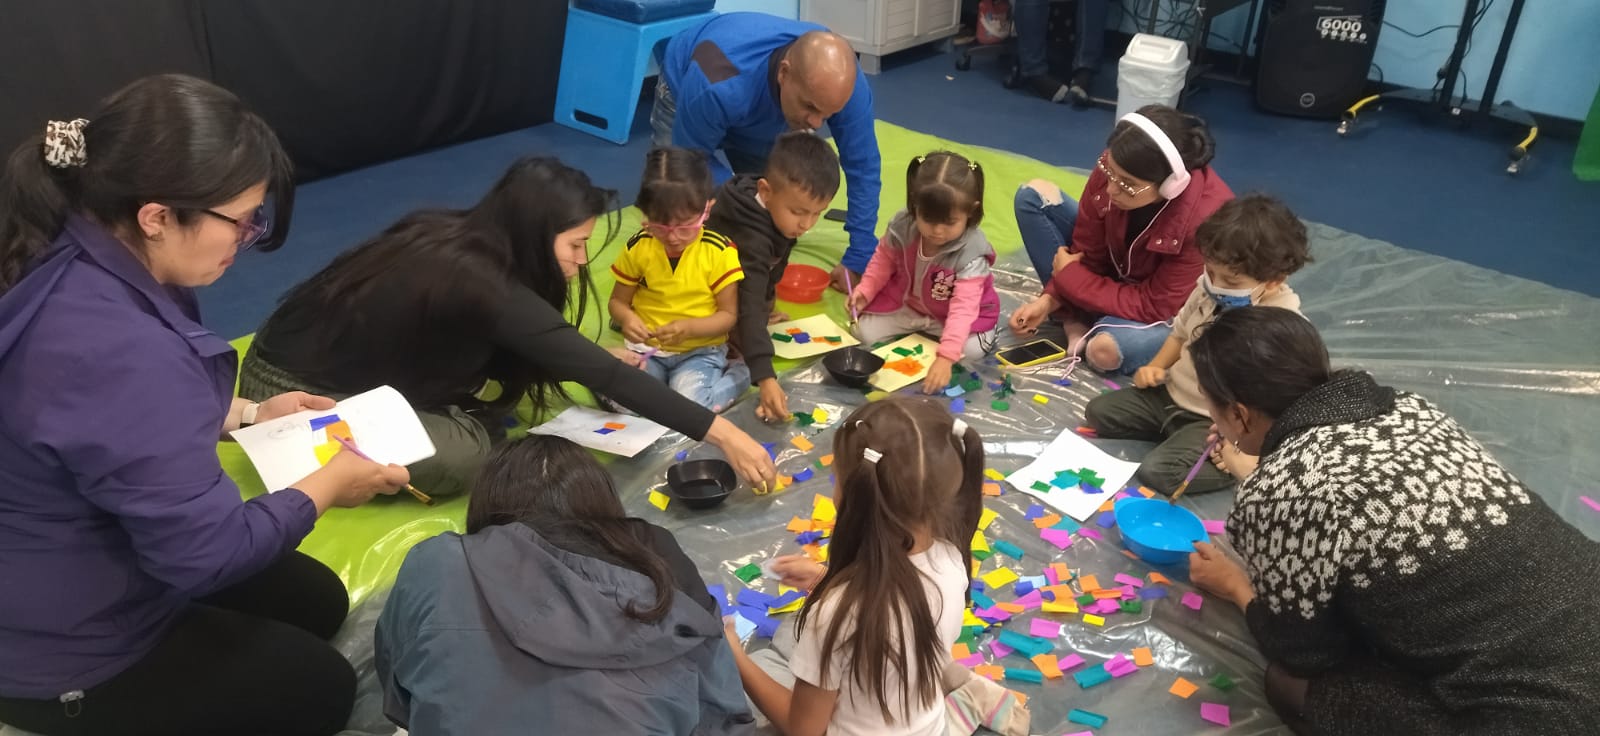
(1399, 579)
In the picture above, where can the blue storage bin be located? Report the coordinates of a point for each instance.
(644, 11)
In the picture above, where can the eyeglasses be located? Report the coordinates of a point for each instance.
(1121, 183)
(662, 232)
(250, 230)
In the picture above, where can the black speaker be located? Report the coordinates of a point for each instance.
(1315, 55)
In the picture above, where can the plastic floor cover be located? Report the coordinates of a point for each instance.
(1517, 362)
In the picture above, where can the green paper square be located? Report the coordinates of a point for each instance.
(1000, 406)
(1132, 606)
(981, 555)
(780, 337)
(902, 352)
(972, 385)
(1085, 600)
(1040, 486)
(748, 573)
(1222, 682)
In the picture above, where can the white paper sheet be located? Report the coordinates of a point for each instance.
(380, 422)
(1072, 452)
(889, 380)
(582, 425)
(817, 326)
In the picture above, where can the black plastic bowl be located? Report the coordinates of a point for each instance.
(852, 366)
(702, 484)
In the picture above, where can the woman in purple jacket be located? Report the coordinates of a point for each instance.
(138, 595)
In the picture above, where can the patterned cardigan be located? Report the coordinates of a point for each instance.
(1418, 585)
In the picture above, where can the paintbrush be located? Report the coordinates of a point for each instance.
(1194, 471)
(849, 296)
(348, 445)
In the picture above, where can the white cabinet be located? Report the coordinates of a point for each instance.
(880, 27)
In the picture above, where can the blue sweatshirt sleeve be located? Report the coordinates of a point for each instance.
(137, 423)
(857, 139)
(701, 123)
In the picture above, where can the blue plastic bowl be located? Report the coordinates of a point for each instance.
(1158, 532)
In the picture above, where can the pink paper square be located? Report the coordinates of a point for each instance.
(1069, 661)
(1192, 600)
(1050, 571)
(1591, 503)
(1215, 526)
(1128, 591)
(1079, 733)
(1105, 605)
(972, 660)
(1127, 579)
(1090, 533)
(1045, 628)
(1000, 650)
(993, 614)
(1216, 713)
(1061, 538)
(1117, 661)
(1032, 600)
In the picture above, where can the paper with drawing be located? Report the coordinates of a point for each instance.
(380, 422)
(618, 434)
(1072, 452)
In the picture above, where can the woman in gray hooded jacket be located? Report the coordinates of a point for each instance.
(555, 613)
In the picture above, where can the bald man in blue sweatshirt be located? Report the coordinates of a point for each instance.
(737, 81)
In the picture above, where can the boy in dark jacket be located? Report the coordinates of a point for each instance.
(764, 216)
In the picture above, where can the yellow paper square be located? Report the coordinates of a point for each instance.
(1059, 607)
(793, 605)
(822, 509)
(993, 474)
(659, 500)
(979, 542)
(970, 620)
(1041, 398)
(1094, 620)
(1000, 578)
(987, 517)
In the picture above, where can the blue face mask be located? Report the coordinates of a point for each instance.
(1225, 298)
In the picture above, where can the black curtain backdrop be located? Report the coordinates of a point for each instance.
(344, 83)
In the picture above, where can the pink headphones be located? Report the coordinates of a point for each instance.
(1178, 180)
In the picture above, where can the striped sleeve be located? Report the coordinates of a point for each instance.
(727, 270)
(624, 268)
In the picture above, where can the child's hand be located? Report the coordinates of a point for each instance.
(775, 317)
(1149, 376)
(938, 376)
(1062, 259)
(798, 571)
(633, 328)
(672, 332)
(774, 405)
(858, 302)
(628, 357)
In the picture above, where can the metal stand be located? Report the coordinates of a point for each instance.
(1444, 101)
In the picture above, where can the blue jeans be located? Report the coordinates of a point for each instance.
(1044, 227)
(703, 375)
(1136, 343)
(1031, 19)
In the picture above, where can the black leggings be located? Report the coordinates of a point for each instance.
(251, 659)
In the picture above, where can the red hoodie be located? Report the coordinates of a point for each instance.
(1150, 282)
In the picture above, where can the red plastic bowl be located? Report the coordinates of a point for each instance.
(802, 284)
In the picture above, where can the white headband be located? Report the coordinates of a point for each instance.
(1178, 180)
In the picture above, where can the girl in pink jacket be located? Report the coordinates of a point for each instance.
(930, 272)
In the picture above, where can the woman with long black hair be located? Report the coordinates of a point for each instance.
(445, 301)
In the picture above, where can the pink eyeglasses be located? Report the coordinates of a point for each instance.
(663, 232)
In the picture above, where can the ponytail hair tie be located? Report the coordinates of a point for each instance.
(871, 455)
(64, 146)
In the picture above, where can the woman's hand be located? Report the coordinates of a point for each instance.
(1062, 259)
(1149, 376)
(349, 480)
(747, 456)
(1028, 317)
(1235, 462)
(1211, 570)
(938, 376)
(798, 571)
(285, 404)
(628, 357)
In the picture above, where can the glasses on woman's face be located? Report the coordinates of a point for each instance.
(1127, 187)
(664, 232)
(251, 229)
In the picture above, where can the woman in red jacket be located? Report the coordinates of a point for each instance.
(1123, 260)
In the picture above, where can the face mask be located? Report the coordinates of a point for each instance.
(1225, 298)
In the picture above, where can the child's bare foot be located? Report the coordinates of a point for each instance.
(777, 317)
(1233, 461)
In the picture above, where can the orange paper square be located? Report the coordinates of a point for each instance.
(991, 488)
(794, 330)
(991, 671)
(1146, 492)
(1113, 593)
(826, 460)
(1048, 665)
(1062, 592)
(1063, 573)
(1089, 583)
(960, 651)
(1130, 555)
(1047, 521)
(1142, 657)
(1183, 688)
(616, 425)
(814, 551)
(1009, 607)
(1108, 505)
(802, 443)
(1156, 577)
(799, 525)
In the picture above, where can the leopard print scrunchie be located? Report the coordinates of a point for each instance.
(64, 147)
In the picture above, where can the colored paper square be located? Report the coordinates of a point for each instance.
(1215, 526)
(958, 406)
(1009, 607)
(1001, 406)
(1152, 593)
(1192, 600)
(1041, 399)
(604, 431)
(1006, 548)
(1021, 675)
(748, 573)
(1089, 583)
(1143, 657)
(1045, 628)
(1127, 579)
(993, 474)
(1047, 665)
(1047, 521)
(1061, 538)
(1216, 713)
(1156, 577)
(802, 443)
(992, 671)
(1183, 688)
(1057, 607)
(1040, 486)
(991, 488)
(999, 650)
(659, 500)
(1094, 620)
(827, 460)
(987, 517)
(615, 425)
(1069, 662)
